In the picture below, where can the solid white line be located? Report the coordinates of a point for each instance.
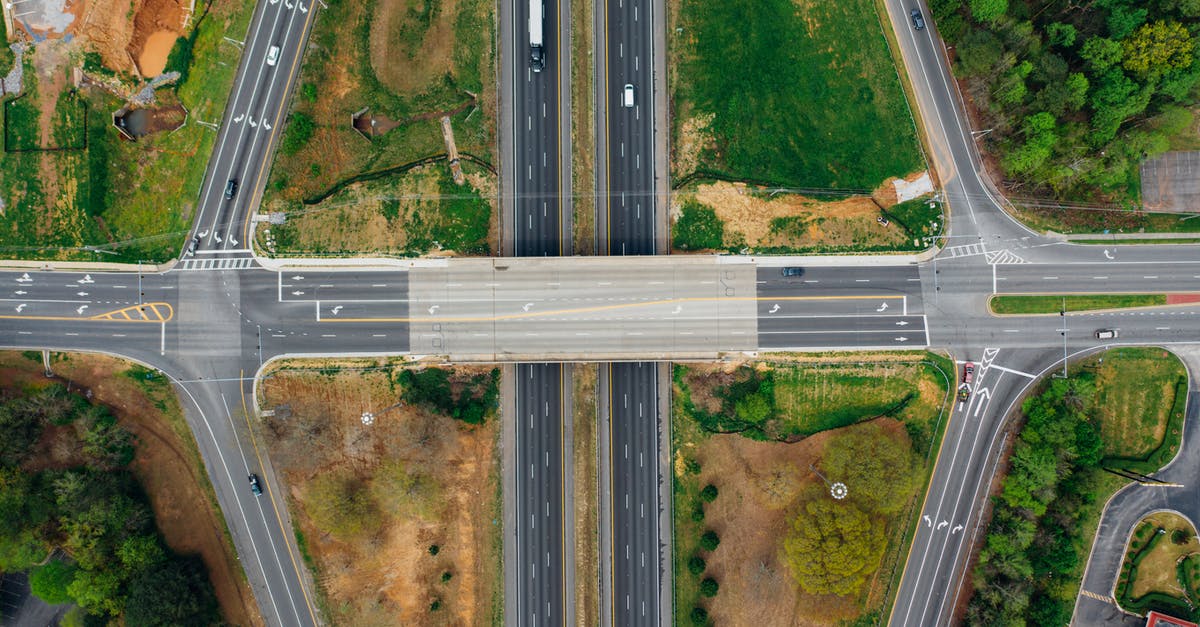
(1011, 371)
(162, 342)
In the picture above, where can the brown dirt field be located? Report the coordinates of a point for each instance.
(1156, 572)
(403, 69)
(748, 216)
(760, 483)
(388, 576)
(153, 22)
(166, 464)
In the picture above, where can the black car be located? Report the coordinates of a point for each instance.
(255, 487)
(918, 21)
(793, 271)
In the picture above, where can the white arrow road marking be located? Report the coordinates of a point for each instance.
(204, 234)
(678, 310)
(297, 278)
(80, 310)
(20, 292)
(956, 529)
(298, 293)
(982, 394)
(433, 308)
(337, 309)
(266, 127)
(24, 278)
(239, 118)
(901, 339)
(233, 242)
(289, 5)
(942, 524)
(252, 123)
(928, 522)
(217, 236)
(87, 278)
(774, 308)
(20, 307)
(1108, 255)
(303, 9)
(882, 307)
(526, 306)
(902, 323)
(81, 293)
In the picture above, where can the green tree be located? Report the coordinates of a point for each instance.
(1100, 53)
(49, 582)
(698, 616)
(988, 10)
(98, 591)
(709, 587)
(1157, 47)
(979, 52)
(18, 431)
(1124, 19)
(833, 547)
(299, 131)
(754, 409)
(177, 592)
(710, 540)
(879, 469)
(709, 493)
(696, 565)
(140, 552)
(1061, 35)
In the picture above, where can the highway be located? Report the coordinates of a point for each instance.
(635, 591)
(249, 132)
(538, 176)
(212, 322)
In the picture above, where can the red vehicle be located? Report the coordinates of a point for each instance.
(968, 372)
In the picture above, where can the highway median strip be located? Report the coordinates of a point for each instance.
(1026, 304)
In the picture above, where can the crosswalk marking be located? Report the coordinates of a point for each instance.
(1092, 595)
(225, 263)
(964, 250)
(1003, 257)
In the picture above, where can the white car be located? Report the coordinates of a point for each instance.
(272, 55)
(627, 100)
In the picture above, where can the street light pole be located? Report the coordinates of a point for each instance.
(1063, 312)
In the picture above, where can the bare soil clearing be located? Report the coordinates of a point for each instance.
(167, 464)
(759, 221)
(449, 498)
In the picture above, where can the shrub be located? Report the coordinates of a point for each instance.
(299, 131)
(446, 576)
(710, 540)
(436, 605)
(699, 616)
(696, 565)
(1179, 536)
(709, 587)
(49, 583)
(433, 549)
(709, 493)
(698, 513)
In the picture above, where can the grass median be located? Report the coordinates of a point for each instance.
(1054, 303)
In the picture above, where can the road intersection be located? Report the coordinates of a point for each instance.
(211, 327)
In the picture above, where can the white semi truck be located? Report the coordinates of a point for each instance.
(537, 54)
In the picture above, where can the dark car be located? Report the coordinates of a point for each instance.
(255, 486)
(918, 21)
(793, 271)
(230, 189)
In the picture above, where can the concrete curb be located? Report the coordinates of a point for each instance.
(84, 266)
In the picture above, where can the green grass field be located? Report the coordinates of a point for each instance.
(136, 199)
(1136, 401)
(1052, 304)
(799, 94)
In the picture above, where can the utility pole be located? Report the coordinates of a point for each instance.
(1063, 313)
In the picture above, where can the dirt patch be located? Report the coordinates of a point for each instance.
(1182, 299)
(693, 139)
(757, 220)
(153, 57)
(166, 464)
(412, 42)
(388, 574)
(760, 483)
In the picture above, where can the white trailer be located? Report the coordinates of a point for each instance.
(537, 54)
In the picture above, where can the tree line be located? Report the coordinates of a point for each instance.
(1030, 563)
(95, 513)
(1076, 94)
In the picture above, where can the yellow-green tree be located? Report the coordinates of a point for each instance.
(878, 468)
(1159, 46)
(833, 547)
